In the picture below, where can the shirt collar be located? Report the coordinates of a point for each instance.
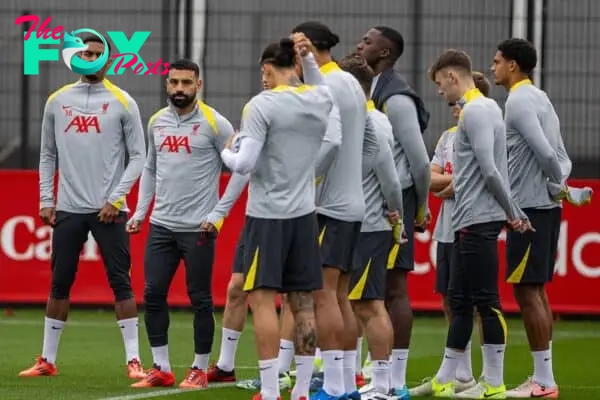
(370, 105)
(525, 81)
(469, 96)
(329, 67)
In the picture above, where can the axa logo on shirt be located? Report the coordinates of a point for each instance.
(83, 124)
(172, 144)
(127, 49)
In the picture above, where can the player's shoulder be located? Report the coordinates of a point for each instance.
(445, 136)
(121, 95)
(400, 103)
(160, 117)
(62, 91)
(215, 119)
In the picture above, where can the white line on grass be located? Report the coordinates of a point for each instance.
(166, 392)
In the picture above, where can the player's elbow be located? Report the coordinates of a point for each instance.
(242, 167)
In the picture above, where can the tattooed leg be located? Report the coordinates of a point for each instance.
(305, 336)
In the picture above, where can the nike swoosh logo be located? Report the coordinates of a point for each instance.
(56, 328)
(232, 339)
(402, 359)
(265, 368)
(338, 358)
(541, 395)
(122, 326)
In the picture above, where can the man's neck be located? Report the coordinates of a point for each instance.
(287, 78)
(380, 67)
(514, 79)
(466, 87)
(323, 57)
(85, 79)
(185, 110)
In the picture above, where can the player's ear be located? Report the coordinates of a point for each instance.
(199, 84)
(385, 53)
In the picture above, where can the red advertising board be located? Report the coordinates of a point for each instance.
(25, 253)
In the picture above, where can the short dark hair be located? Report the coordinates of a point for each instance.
(520, 51)
(319, 34)
(185, 64)
(360, 69)
(96, 39)
(481, 83)
(395, 37)
(451, 58)
(280, 54)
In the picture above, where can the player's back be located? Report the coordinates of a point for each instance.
(528, 182)
(340, 193)
(88, 130)
(282, 185)
(475, 203)
(375, 219)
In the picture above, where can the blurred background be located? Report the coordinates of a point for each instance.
(226, 37)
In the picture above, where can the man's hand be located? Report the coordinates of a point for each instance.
(302, 44)
(108, 213)
(520, 225)
(422, 223)
(393, 217)
(208, 227)
(446, 193)
(134, 226)
(399, 233)
(48, 215)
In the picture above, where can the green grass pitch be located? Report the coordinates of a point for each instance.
(91, 357)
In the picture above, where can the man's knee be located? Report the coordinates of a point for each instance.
(235, 290)
(201, 301)
(459, 304)
(527, 295)
(155, 298)
(396, 285)
(120, 283)
(366, 309)
(61, 289)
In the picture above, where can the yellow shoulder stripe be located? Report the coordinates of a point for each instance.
(117, 92)
(155, 115)
(298, 89)
(60, 90)
(209, 115)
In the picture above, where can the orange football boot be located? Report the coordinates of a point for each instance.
(156, 378)
(360, 380)
(135, 370)
(40, 368)
(195, 379)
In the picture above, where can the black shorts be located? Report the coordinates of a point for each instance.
(282, 254)
(370, 266)
(164, 251)
(443, 261)
(338, 240)
(238, 259)
(405, 258)
(70, 234)
(531, 256)
(474, 266)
